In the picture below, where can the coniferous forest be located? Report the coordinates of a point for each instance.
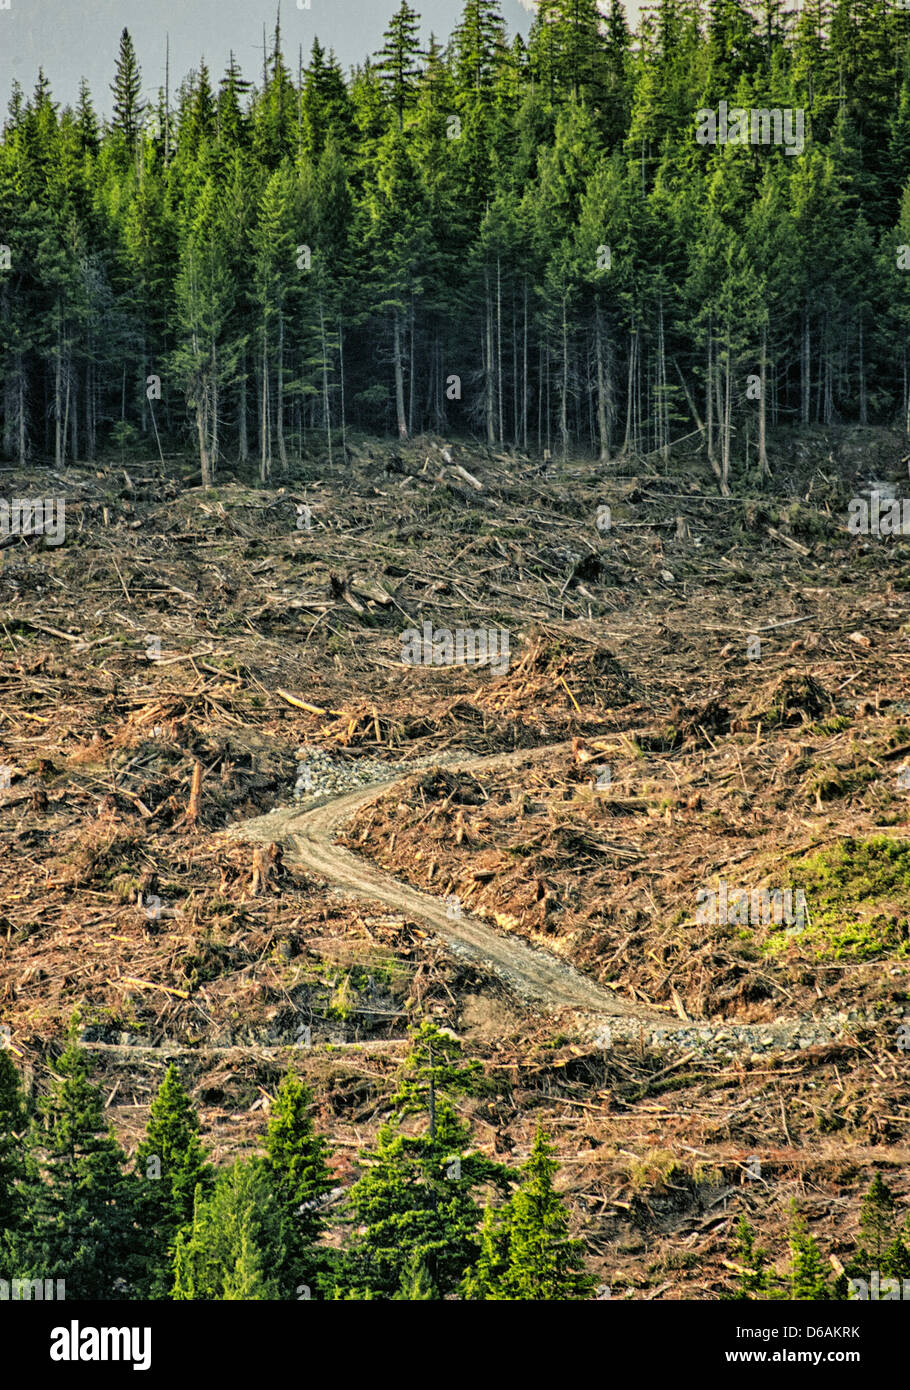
(523, 241)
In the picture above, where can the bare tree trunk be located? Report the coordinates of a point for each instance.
(92, 422)
(699, 423)
(265, 431)
(540, 396)
(515, 426)
(21, 381)
(524, 410)
(637, 433)
(399, 378)
(58, 392)
(709, 396)
(603, 420)
(728, 403)
(663, 404)
(327, 419)
(143, 424)
(564, 401)
(344, 428)
(628, 441)
(719, 396)
(502, 433)
(204, 465)
(411, 373)
(243, 442)
(66, 408)
(548, 409)
(215, 407)
(762, 406)
(74, 421)
(805, 364)
(9, 414)
(490, 404)
(279, 403)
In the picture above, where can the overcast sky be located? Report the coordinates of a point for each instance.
(71, 39)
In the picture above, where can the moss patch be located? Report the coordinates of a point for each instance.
(858, 897)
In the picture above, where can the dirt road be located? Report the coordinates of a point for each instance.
(536, 976)
(540, 979)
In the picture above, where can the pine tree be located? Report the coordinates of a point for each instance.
(881, 1245)
(325, 106)
(807, 1278)
(298, 1172)
(275, 112)
(399, 251)
(479, 43)
(126, 87)
(449, 201)
(416, 1284)
(433, 1067)
(487, 1279)
(754, 1281)
(543, 1263)
(79, 1203)
(233, 1242)
(397, 62)
(414, 1205)
(876, 1221)
(171, 1166)
(233, 131)
(12, 1146)
(204, 359)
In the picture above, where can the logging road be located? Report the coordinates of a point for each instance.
(540, 979)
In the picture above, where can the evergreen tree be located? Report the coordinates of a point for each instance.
(876, 1221)
(416, 1284)
(754, 1282)
(233, 1242)
(414, 1205)
(397, 62)
(12, 1146)
(479, 43)
(296, 1165)
(126, 87)
(881, 1245)
(487, 1279)
(171, 1167)
(80, 1205)
(449, 201)
(527, 1253)
(807, 1278)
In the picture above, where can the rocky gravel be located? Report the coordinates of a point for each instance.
(320, 774)
(730, 1039)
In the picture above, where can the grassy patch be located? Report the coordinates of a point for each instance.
(858, 897)
(831, 783)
